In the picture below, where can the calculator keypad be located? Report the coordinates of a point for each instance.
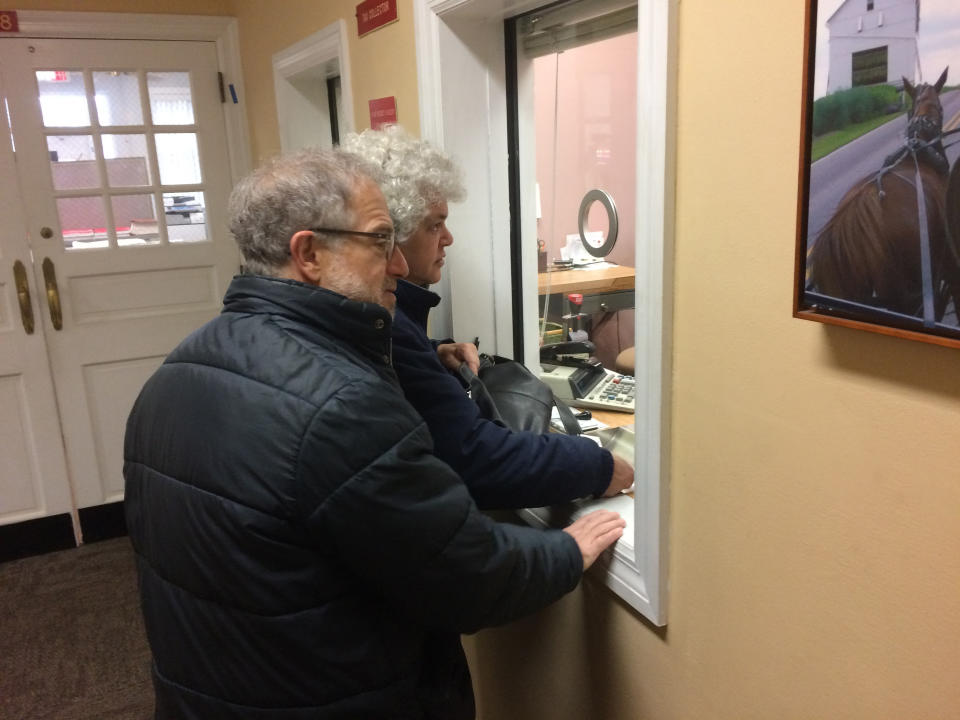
(615, 391)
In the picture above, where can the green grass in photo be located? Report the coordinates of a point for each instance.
(828, 142)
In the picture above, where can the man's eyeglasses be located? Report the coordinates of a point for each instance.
(387, 239)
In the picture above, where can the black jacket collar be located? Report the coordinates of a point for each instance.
(416, 302)
(365, 326)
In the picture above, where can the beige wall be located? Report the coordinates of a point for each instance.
(382, 63)
(815, 502)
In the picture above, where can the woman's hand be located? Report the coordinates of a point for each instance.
(453, 354)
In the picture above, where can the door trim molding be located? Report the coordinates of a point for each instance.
(220, 30)
(316, 50)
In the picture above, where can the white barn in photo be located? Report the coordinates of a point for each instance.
(873, 41)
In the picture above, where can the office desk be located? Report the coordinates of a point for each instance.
(588, 282)
(605, 289)
(610, 418)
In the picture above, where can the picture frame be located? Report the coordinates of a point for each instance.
(878, 209)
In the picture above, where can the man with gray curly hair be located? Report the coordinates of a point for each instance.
(301, 553)
(503, 469)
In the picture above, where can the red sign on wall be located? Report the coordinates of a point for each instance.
(8, 21)
(53, 76)
(383, 111)
(373, 14)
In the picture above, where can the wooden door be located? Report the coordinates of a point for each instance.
(123, 167)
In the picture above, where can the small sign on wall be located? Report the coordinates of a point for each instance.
(53, 76)
(374, 14)
(383, 111)
(8, 21)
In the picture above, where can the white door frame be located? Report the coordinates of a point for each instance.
(320, 51)
(221, 30)
(465, 39)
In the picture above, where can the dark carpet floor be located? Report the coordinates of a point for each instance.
(72, 644)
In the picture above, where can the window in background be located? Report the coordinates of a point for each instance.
(585, 124)
(102, 165)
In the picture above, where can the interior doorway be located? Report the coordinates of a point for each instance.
(312, 84)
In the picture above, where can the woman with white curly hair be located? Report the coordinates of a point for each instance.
(502, 468)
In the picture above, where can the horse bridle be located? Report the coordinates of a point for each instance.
(924, 122)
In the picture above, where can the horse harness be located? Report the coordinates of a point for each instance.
(934, 153)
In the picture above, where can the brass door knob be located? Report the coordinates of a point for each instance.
(53, 293)
(23, 295)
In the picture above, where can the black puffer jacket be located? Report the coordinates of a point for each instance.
(301, 553)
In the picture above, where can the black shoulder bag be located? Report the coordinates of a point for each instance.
(508, 393)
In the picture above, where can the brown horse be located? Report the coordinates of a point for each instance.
(870, 251)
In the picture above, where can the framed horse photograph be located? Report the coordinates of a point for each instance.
(878, 228)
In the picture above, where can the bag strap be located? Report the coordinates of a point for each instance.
(570, 424)
(479, 391)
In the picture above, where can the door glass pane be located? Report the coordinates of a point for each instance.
(178, 158)
(63, 98)
(584, 107)
(73, 162)
(122, 146)
(170, 100)
(136, 220)
(126, 160)
(83, 222)
(118, 97)
(186, 216)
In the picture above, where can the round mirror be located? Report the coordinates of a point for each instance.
(593, 240)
